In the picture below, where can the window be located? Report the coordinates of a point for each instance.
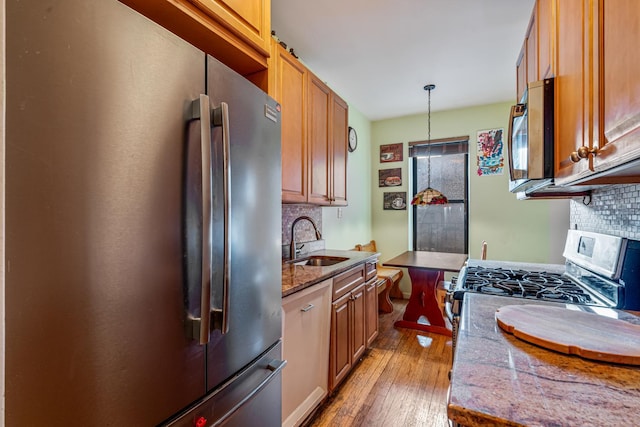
(442, 228)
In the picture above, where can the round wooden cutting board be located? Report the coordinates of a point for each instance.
(587, 335)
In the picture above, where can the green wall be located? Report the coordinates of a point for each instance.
(355, 224)
(515, 230)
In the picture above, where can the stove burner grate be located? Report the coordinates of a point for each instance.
(524, 284)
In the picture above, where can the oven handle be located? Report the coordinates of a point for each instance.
(449, 299)
(448, 305)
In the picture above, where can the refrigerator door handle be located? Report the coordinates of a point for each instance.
(221, 315)
(200, 325)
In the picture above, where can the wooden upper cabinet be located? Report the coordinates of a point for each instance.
(597, 91)
(327, 139)
(339, 128)
(527, 63)
(314, 133)
(318, 140)
(521, 72)
(535, 61)
(545, 13)
(588, 45)
(573, 101)
(236, 32)
(532, 48)
(289, 88)
(250, 20)
(619, 84)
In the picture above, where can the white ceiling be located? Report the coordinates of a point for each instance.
(379, 54)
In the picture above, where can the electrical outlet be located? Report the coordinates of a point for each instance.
(339, 213)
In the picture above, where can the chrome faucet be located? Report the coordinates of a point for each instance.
(292, 247)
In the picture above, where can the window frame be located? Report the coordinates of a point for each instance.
(414, 182)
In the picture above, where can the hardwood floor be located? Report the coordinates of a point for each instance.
(402, 381)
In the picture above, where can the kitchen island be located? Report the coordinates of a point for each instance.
(498, 379)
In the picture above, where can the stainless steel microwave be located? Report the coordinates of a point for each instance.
(530, 138)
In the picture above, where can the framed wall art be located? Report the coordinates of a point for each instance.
(391, 153)
(395, 201)
(389, 177)
(490, 152)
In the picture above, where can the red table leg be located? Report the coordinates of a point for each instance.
(423, 302)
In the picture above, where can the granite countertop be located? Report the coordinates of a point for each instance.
(500, 380)
(297, 277)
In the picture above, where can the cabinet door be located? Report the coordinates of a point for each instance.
(358, 320)
(521, 72)
(236, 32)
(290, 89)
(371, 310)
(527, 63)
(620, 83)
(248, 19)
(572, 104)
(338, 173)
(546, 37)
(340, 351)
(318, 140)
(532, 48)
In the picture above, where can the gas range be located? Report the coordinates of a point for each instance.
(517, 282)
(600, 270)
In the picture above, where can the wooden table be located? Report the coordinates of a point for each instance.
(426, 269)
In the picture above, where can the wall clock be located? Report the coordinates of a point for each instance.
(353, 139)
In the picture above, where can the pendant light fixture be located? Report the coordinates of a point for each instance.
(429, 196)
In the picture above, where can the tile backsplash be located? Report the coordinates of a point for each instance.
(612, 210)
(304, 230)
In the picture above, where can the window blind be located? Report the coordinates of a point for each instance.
(440, 147)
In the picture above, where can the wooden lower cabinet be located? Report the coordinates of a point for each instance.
(305, 347)
(354, 322)
(340, 353)
(371, 310)
(371, 301)
(348, 340)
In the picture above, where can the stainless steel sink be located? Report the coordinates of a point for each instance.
(318, 260)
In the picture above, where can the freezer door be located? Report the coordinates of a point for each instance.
(251, 398)
(97, 106)
(246, 230)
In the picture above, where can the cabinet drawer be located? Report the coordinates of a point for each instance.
(370, 270)
(345, 282)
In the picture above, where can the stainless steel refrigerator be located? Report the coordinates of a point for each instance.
(143, 226)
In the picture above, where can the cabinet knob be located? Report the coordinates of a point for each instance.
(583, 153)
